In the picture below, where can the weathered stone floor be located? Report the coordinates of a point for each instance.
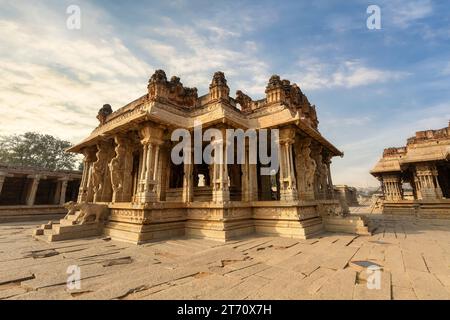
(414, 256)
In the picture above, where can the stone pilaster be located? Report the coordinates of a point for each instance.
(151, 140)
(288, 184)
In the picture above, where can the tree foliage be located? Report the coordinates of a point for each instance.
(36, 150)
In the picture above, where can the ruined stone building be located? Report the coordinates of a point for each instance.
(423, 165)
(130, 179)
(347, 195)
(35, 194)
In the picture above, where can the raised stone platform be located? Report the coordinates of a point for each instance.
(434, 209)
(31, 213)
(349, 224)
(139, 224)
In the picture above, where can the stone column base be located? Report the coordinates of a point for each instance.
(221, 195)
(147, 197)
(288, 195)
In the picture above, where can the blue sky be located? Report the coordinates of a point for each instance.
(373, 88)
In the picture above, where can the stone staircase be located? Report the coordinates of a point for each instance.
(68, 229)
(347, 224)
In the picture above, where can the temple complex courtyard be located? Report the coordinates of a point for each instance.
(413, 254)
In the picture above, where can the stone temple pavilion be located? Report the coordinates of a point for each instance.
(132, 191)
(28, 193)
(423, 165)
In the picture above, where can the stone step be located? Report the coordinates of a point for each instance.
(76, 231)
(64, 222)
(38, 232)
(48, 232)
(354, 225)
(347, 229)
(343, 221)
(47, 226)
(73, 217)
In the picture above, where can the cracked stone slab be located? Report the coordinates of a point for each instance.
(15, 276)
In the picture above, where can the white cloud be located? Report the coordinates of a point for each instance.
(315, 74)
(56, 80)
(186, 50)
(404, 13)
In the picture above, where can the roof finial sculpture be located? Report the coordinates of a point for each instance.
(218, 89)
(103, 113)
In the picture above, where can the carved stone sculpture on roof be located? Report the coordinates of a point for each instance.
(313, 115)
(274, 82)
(173, 91)
(245, 101)
(103, 113)
(218, 89)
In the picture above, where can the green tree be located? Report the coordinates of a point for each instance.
(36, 150)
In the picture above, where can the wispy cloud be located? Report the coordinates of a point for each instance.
(320, 74)
(186, 50)
(57, 81)
(404, 13)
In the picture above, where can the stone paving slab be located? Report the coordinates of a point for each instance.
(413, 256)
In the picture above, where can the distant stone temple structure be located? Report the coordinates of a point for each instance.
(347, 195)
(424, 165)
(132, 191)
(35, 194)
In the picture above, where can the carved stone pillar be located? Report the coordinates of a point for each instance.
(249, 177)
(2, 180)
(221, 191)
(63, 189)
(330, 188)
(393, 187)
(31, 196)
(427, 176)
(86, 193)
(188, 179)
(288, 184)
(151, 139)
(321, 172)
(57, 193)
(101, 180)
(306, 169)
(121, 167)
